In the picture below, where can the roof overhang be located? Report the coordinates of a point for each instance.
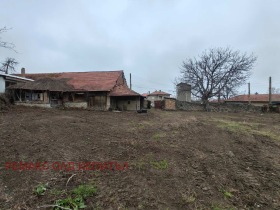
(14, 78)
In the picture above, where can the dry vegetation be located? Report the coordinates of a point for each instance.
(177, 160)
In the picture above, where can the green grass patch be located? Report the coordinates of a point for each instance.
(76, 201)
(57, 192)
(84, 191)
(158, 136)
(163, 164)
(70, 203)
(246, 128)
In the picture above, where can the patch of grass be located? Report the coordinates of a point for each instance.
(220, 208)
(41, 189)
(227, 194)
(158, 136)
(77, 201)
(188, 198)
(57, 192)
(163, 164)
(246, 128)
(85, 191)
(71, 203)
(141, 165)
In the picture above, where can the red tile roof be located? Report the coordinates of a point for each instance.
(123, 90)
(144, 94)
(256, 98)
(84, 81)
(156, 93)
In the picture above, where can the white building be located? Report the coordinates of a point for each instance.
(7, 79)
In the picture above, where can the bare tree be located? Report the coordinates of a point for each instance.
(8, 66)
(275, 90)
(217, 72)
(4, 44)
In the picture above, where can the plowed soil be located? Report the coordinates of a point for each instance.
(177, 160)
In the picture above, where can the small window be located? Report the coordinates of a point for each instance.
(128, 102)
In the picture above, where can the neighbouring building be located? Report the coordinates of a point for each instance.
(256, 99)
(183, 92)
(7, 80)
(97, 90)
(157, 95)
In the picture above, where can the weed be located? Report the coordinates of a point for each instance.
(220, 208)
(188, 198)
(163, 164)
(71, 203)
(227, 194)
(85, 191)
(76, 202)
(57, 192)
(158, 136)
(41, 189)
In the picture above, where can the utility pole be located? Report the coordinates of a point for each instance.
(130, 81)
(269, 91)
(249, 93)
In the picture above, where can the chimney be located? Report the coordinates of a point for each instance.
(22, 70)
(159, 90)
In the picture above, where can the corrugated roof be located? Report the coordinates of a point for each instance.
(156, 93)
(123, 90)
(256, 97)
(84, 81)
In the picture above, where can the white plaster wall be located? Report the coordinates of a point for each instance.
(2, 85)
(76, 105)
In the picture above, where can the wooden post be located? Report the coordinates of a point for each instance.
(249, 93)
(270, 100)
(130, 81)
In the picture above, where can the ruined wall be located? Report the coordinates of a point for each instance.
(215, 107)
(125, 103)
(169, 104)
(82, 105)
(42, 105)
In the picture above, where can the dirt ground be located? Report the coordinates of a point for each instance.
(176, 160)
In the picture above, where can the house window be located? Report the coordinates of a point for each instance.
(128, 102)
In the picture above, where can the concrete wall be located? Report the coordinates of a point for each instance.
(33, 104)
(83, 105)
(184, 92)
(184, 96)
(2, 85)
(215, 107)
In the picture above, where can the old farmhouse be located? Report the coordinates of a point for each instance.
(97, 90)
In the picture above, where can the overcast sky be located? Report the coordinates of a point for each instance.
(147, 38)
